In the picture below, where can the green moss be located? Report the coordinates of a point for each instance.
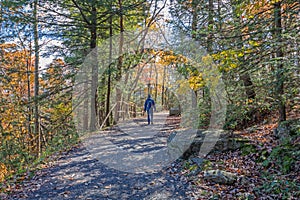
(248, 149)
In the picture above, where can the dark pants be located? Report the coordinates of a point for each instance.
(150, 115)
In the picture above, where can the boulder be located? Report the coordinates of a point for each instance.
(287, 129)
(198, 143)
(220, 176)
(174, 112)
(221, 141)
(178, 142)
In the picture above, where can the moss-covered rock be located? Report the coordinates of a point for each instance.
(220, 176)
(226, 141)
(287, 129)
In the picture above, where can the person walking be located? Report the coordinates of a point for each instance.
(150, 108)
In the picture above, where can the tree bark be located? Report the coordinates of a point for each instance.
(156, 82)
(29, 108)
(94, 84)
(163, 89)
(280, 68)
(195, 4)
(120, 62)
(109, 72)
(210, 25)
(248, 84)
(36, 79)
(85, 114)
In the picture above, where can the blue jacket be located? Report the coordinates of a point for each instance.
(148, 104)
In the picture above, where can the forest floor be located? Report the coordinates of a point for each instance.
(130, 170)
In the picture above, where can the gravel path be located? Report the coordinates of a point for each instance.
(85, 173)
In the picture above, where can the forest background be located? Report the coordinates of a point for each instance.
(253, 43)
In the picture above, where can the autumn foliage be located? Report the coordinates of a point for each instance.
(18, 143)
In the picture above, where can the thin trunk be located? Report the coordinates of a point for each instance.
(29, 95)
(248, 84)
(210, 25)
(134, 84)
(94, 85)
(280, 67)
(36, 79)
(109, 72)
(195, 4)
(149, 83)
(163, 89)
(118, 104)
(120, 63)
(125, 105)
(85, 118)
(156, 83)
(219, 16)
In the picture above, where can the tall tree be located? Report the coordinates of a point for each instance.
(210, 26)
(195, 11)
(280, 67)
(240, 44)
(36, 77)
(95, 67)
(120, 60)
(107, 113)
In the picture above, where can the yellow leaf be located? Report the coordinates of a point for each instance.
(253, 43)
(233, 65)
(207, 59)
(3, 172)
(274, 1)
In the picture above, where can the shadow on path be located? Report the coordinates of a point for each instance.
(81, 175)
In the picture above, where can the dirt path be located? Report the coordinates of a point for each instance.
(125, 164)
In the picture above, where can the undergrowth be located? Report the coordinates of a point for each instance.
(24, 164)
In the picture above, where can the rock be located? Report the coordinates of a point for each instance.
(243, 180)
(174, 111)
(171, 137)
(223, 141)
(198, 161)
(287, 129)
(197, 143)
(220, 176)
(179, 142)
(281, 131)
(194, 148)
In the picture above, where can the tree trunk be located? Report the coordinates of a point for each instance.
(195, 4)
(150, 78)
(120, 63)
(137, 78)
(163, 89)
(210, 25)
(248, 84)
(280, 68)
(94, 84)
(109, 72)
(29, 109)
(156, 83)
(36, 80)
(85, 118)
